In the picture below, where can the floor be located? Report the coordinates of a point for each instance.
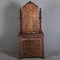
(7, 57)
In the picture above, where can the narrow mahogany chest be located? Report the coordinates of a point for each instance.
(31, 37)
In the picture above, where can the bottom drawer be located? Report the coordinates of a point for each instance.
(32, 48)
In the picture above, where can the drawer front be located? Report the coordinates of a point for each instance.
(32, 47)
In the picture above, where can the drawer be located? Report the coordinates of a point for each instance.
(31, 47)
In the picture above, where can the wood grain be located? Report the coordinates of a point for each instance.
(30, 19)
(32, 46)
(31, 37)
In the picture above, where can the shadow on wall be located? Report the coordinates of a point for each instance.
(9, 43)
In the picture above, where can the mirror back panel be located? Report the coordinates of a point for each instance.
(30, 18)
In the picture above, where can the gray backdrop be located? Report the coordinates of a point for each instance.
(9, 25)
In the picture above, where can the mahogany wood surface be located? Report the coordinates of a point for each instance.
(30, 18)
(31, 37)
(32, 45)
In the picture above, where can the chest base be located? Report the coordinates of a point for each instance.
(31, 45)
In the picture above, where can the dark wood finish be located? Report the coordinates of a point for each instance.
(31, 37)
(32, 45)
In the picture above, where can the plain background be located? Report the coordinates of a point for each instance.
(9, 25)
